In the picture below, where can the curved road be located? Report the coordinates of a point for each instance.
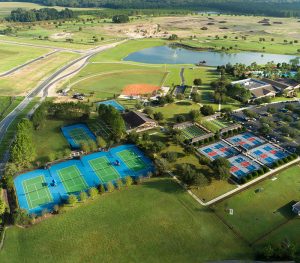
(43, 87)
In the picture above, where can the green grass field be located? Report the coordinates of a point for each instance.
(263, 207)
(72, 179)
(104, 170)
(32, 74)
(170, 111)
(14, 55)
(37, 193)
(154, 222)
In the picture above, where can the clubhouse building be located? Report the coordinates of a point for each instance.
(268, 88)
(138, 121)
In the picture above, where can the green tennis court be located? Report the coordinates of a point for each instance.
(37, 192)
(103, 169)
(79, 135)
(72, 179)
(192, 131)
(132, 160)
(219, 123)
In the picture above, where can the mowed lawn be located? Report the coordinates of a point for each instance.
(50, 140)
(153, 222)
(170, 111)
(264, 206)
(106, 85)
(29, 77)
(14, 55)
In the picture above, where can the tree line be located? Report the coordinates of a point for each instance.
(22, 15)
(279, 8)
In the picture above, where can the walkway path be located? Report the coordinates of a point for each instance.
(182, 77)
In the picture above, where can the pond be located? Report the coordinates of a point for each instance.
(176, 55)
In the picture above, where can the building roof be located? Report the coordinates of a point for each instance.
(250, 83)
(263, 91)
(296, 207)
(282, 83)
(135, 119)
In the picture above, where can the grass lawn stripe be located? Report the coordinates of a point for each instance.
(104, 170)
(72, 179)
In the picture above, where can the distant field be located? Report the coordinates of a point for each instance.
(7, 7)
(164, 225)
(264, 207)
(24, 80)
(14, 55)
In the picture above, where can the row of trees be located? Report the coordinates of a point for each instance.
(266, 7)
(22, 15)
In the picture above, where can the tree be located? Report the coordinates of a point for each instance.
(23, 150)
(72, 200)
(85, 147)
(221, 166)
(194, 115)
(2, 207)
(83, 196)
(120, 19)
(128, 181)
(207, 110)
(158, 116)
(93, 192)
(197, 82)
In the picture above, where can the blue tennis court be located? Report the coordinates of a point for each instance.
(241, 165)
(42, 189)
(217, 150)
(112, 103)
(245, 140)
(268, 153)
(77, 133)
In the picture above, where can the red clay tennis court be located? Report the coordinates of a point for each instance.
(139, 89)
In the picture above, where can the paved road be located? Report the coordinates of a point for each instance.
(44, 87)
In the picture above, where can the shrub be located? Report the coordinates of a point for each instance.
(72, 200)
(243, 180)
(110, 187)
(101, 189)
(128, 181)
(119, 184)
(93, 192)
(83, 196)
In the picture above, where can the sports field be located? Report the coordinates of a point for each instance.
(132, 160)
(36, 191)
(100, 128)
(104, 169)
(76, 134)
(263, 207)
(106, 85)
(192, 131)
(157, 219)
(72, 179)
(74, 176)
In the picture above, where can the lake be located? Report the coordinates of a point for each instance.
(176, 55)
